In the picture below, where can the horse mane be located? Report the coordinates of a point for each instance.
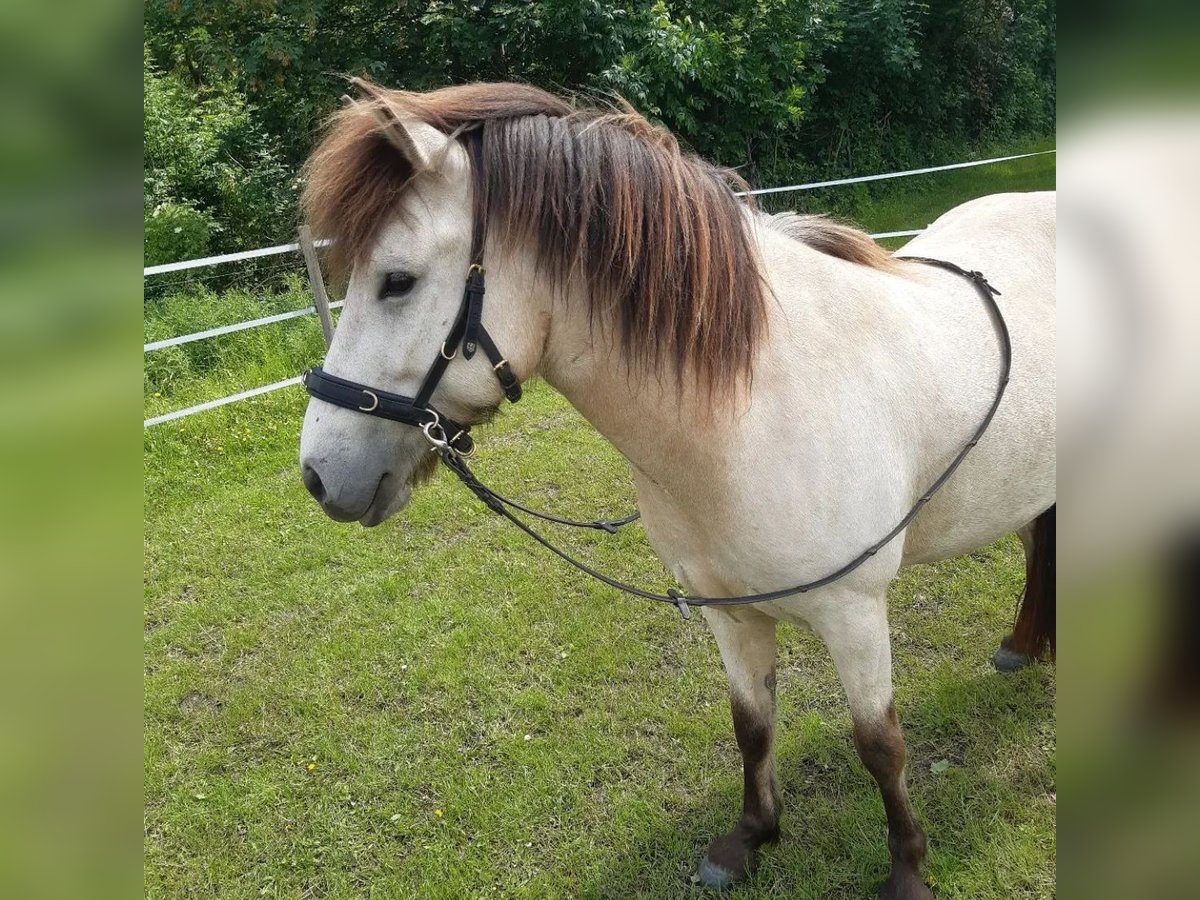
(833, 238)
(600, 193)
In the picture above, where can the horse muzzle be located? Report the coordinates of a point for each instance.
(364, 501)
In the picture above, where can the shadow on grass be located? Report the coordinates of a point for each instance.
(834, 835)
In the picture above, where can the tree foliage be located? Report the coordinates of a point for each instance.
(211, 170)
(236, 90)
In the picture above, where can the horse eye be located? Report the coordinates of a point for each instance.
(397, 284)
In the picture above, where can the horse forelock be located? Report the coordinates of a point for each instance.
(605, 199)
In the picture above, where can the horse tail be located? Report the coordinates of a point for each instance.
(1033, 634)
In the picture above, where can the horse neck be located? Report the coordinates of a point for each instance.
(668, 434)
(807, 365)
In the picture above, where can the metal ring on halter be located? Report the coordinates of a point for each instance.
(496, 367)
(476, 267)
(374, 401)
(465, 454)
(443, 352)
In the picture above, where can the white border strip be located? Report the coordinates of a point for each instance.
(230, 329)
(218, 260)
(894, 234)
(861, 178)
(213, 404)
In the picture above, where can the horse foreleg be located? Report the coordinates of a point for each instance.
(856, 633)
(747, 642)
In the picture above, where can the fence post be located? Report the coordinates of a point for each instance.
(318, 283)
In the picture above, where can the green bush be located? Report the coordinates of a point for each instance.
(784, 89)
(209, 163)
(174, 231)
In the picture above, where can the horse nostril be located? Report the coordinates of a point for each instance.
(312, 481)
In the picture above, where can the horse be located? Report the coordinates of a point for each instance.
(782, 388)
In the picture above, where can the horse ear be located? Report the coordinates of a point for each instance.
(397, 135)
(390, 125)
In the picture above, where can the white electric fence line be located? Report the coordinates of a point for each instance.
(862, 178)
(892, 234)
(218, 260)
(230, 329)
(225, 258)
(213, 404)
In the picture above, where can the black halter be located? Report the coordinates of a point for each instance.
(467, 331)
(453, 444)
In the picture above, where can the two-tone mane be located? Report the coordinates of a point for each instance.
(658, 236)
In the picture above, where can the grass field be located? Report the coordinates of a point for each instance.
(434, 708)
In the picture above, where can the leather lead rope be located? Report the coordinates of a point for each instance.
(453, 443)
(503, 506)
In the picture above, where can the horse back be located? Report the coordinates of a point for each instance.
(1009, 478)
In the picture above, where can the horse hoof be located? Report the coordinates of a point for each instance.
(716, 877)
(733, 857)
(1007, 660)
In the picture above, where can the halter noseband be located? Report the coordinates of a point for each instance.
(467, 332)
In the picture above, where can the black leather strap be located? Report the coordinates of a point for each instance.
(473, 311)
(453, 442)
(352, 395)
(501, 505)
(504, 373)
(385, 405)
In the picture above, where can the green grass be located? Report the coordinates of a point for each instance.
(336, 712)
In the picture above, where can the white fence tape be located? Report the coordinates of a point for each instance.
(230, 329)
(218, 260)
(213, 404)
(837, 182)
(224, 258)
(892, 234)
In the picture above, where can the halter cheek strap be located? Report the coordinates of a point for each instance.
(467, 332)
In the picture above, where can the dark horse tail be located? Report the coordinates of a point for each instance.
(1033, 634)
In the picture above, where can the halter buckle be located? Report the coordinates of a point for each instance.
(374, 401)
